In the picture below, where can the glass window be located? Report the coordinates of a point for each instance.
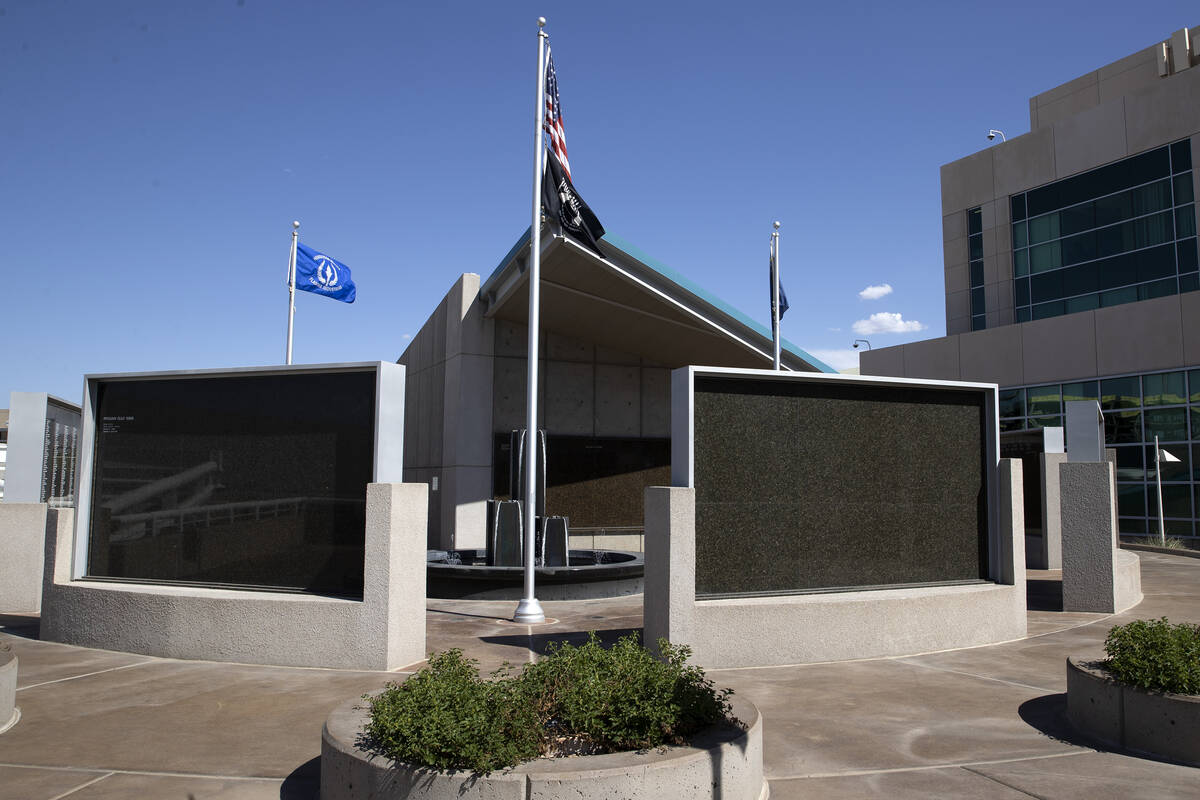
(1114, 208)
(1186, 251)
(1189, 282)
(1168, 424)
(1177, 500)
(1021, 292)
(1185, 221)
(1131, 499)
(1152, 197)
(1171, 470)
(1043, 229)
(1020, 262)
(1153, 230)
(1123, 427)
(1184, 193)
(975, 248)
(1178, 527)
(1087, 390)
(1085, 303)
(1047, 310)
(1194, 383)
(1045, 422)
(1080, 248)
(1196, 421)
(1119, 271)
(977, 300)
(1024, 315)
(1132, 527)
(1149, 291)
(1077, 218)
(1011, 402)
(1083, 279)
(979, 322)
(975, 221)
(1020, 235)
(1047, 286)
(1157, 262)
(1012, 425)
(1181, 155)
(1115, 297)
(1196, 462)
(1044, 257)
(1044, 399)
(1120, 393)
(1163, 389)
(1129, 464)
(976, 273)
(1018, 207)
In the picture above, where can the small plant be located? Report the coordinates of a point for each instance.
(584, 699)
(1155, 655)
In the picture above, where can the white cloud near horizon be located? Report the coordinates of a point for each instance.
(886, 322)
(838, 359)
(875, 292)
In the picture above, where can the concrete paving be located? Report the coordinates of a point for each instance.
(985, 722)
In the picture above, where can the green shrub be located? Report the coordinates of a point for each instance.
(1155, 655)
(582, 698)
(447, 717)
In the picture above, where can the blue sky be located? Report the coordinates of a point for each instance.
(153, 156)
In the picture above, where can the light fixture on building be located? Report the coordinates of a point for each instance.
(864, 341)
(993, 133)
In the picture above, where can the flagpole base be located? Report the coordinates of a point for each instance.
(529, 611)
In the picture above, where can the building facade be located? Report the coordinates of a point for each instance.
(1071, 269)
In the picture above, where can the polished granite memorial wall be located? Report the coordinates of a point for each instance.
(254, 481)
(816, 486)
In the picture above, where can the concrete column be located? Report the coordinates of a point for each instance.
(1097, 576)
(669, 597)
(1012, 524)
(22, 550)
(1051, 511)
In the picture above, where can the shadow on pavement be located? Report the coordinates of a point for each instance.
(23, 625)
(1043, 595)
(304, 782)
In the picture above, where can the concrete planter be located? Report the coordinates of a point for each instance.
(725, 762)
(8, 688)
(1155, 723)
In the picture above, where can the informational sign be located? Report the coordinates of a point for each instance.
(43, 449)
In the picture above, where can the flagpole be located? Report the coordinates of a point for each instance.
(775, 291)
(292, 290)
(1162, 527)
(529, 610)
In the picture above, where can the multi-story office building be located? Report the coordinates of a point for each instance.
(1071, 272)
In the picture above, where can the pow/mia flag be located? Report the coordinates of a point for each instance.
(561, 202)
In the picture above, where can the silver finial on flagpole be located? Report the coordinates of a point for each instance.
(776, 224)
(541, 22)
(295, 223)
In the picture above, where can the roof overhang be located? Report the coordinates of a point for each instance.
(627, 302)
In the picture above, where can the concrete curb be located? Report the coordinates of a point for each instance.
(8, 688)
(1154, 723)
(725, 762)
(1166, 551)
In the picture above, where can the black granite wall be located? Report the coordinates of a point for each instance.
(804, 486)
(256, 481)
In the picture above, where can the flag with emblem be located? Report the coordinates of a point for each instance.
(560, 201)
(320, 274)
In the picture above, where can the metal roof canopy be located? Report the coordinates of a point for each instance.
(624, 303)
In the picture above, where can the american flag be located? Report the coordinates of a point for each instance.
(553, 120)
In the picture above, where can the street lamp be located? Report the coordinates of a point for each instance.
(1161, 457)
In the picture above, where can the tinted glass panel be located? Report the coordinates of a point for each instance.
(1116, 297)
(1044, 399)
(1131, 499)
(1024, 315)
(1187, 255)
(1077, 218)
(1129, 464)
(1194, 383)
(1012, 402)
(1123, 427)
(975, 247)
(1156, 262)
(1184, 193)
(1046, 286)
(1087, 390)
(1043, 229)
(1021, 262)
(1133, 527)
(1085, 303)
(1021, 291)
(1181, 155)
(1018, 207)
(1189, 283)
(977, 301)
(1044, 257)
(976, 273)
(978, 323)
(1171, 470)
(1083, 279)
(1120, 393)
(1045, 422)
(1177, 500)
(253, 481)
(1148, 291)
(1020, 237)
(1168, 424)
(1151, 197)
(1163, 389)
(1047, 310)
(1185, 221)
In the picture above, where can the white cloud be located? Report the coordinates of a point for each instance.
(886, 322)
(405, 337)
(835, 330)
(838, 359)
(876, 292)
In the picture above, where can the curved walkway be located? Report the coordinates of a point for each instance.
(980, 723)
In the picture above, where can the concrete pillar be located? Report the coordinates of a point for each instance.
(1051, 546)
(669, 596)
(1097, 575)
(22, 550)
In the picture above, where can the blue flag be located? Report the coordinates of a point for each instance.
(320, 274)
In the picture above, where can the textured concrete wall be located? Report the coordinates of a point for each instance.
(384, 630)
(761, 631)
(1051, 510)
(22, 551)
(1089, 542)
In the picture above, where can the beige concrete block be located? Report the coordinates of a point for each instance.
(954, 226)
(1024, 162)
(886, 361)
(954, 252)
(967, 183)
(1059, 348)
(1006, 316)
(1165, 112)
(958, 278)
(467, 422)
(656, 402)
(1066, 105)
(932, 358)
(996, 295)
(1189, 306)
(1003, 215)
(434, 415)
(23, 544)
(1090, 138)
(998, 269)
(1033, 115)
(1129, 75)
(468, 489)
(991, 319)
(618, 400)
(508, 394)
(987, 215)
(1147, 55)
(511, 339)
(958, 325)
(569, 400)
(438, 329)
(958, 305)
(991, 356)
(1071, 87)
(565, 348)
(989, 242)
(1139, 337)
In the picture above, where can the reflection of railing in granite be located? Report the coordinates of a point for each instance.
(149, 523)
